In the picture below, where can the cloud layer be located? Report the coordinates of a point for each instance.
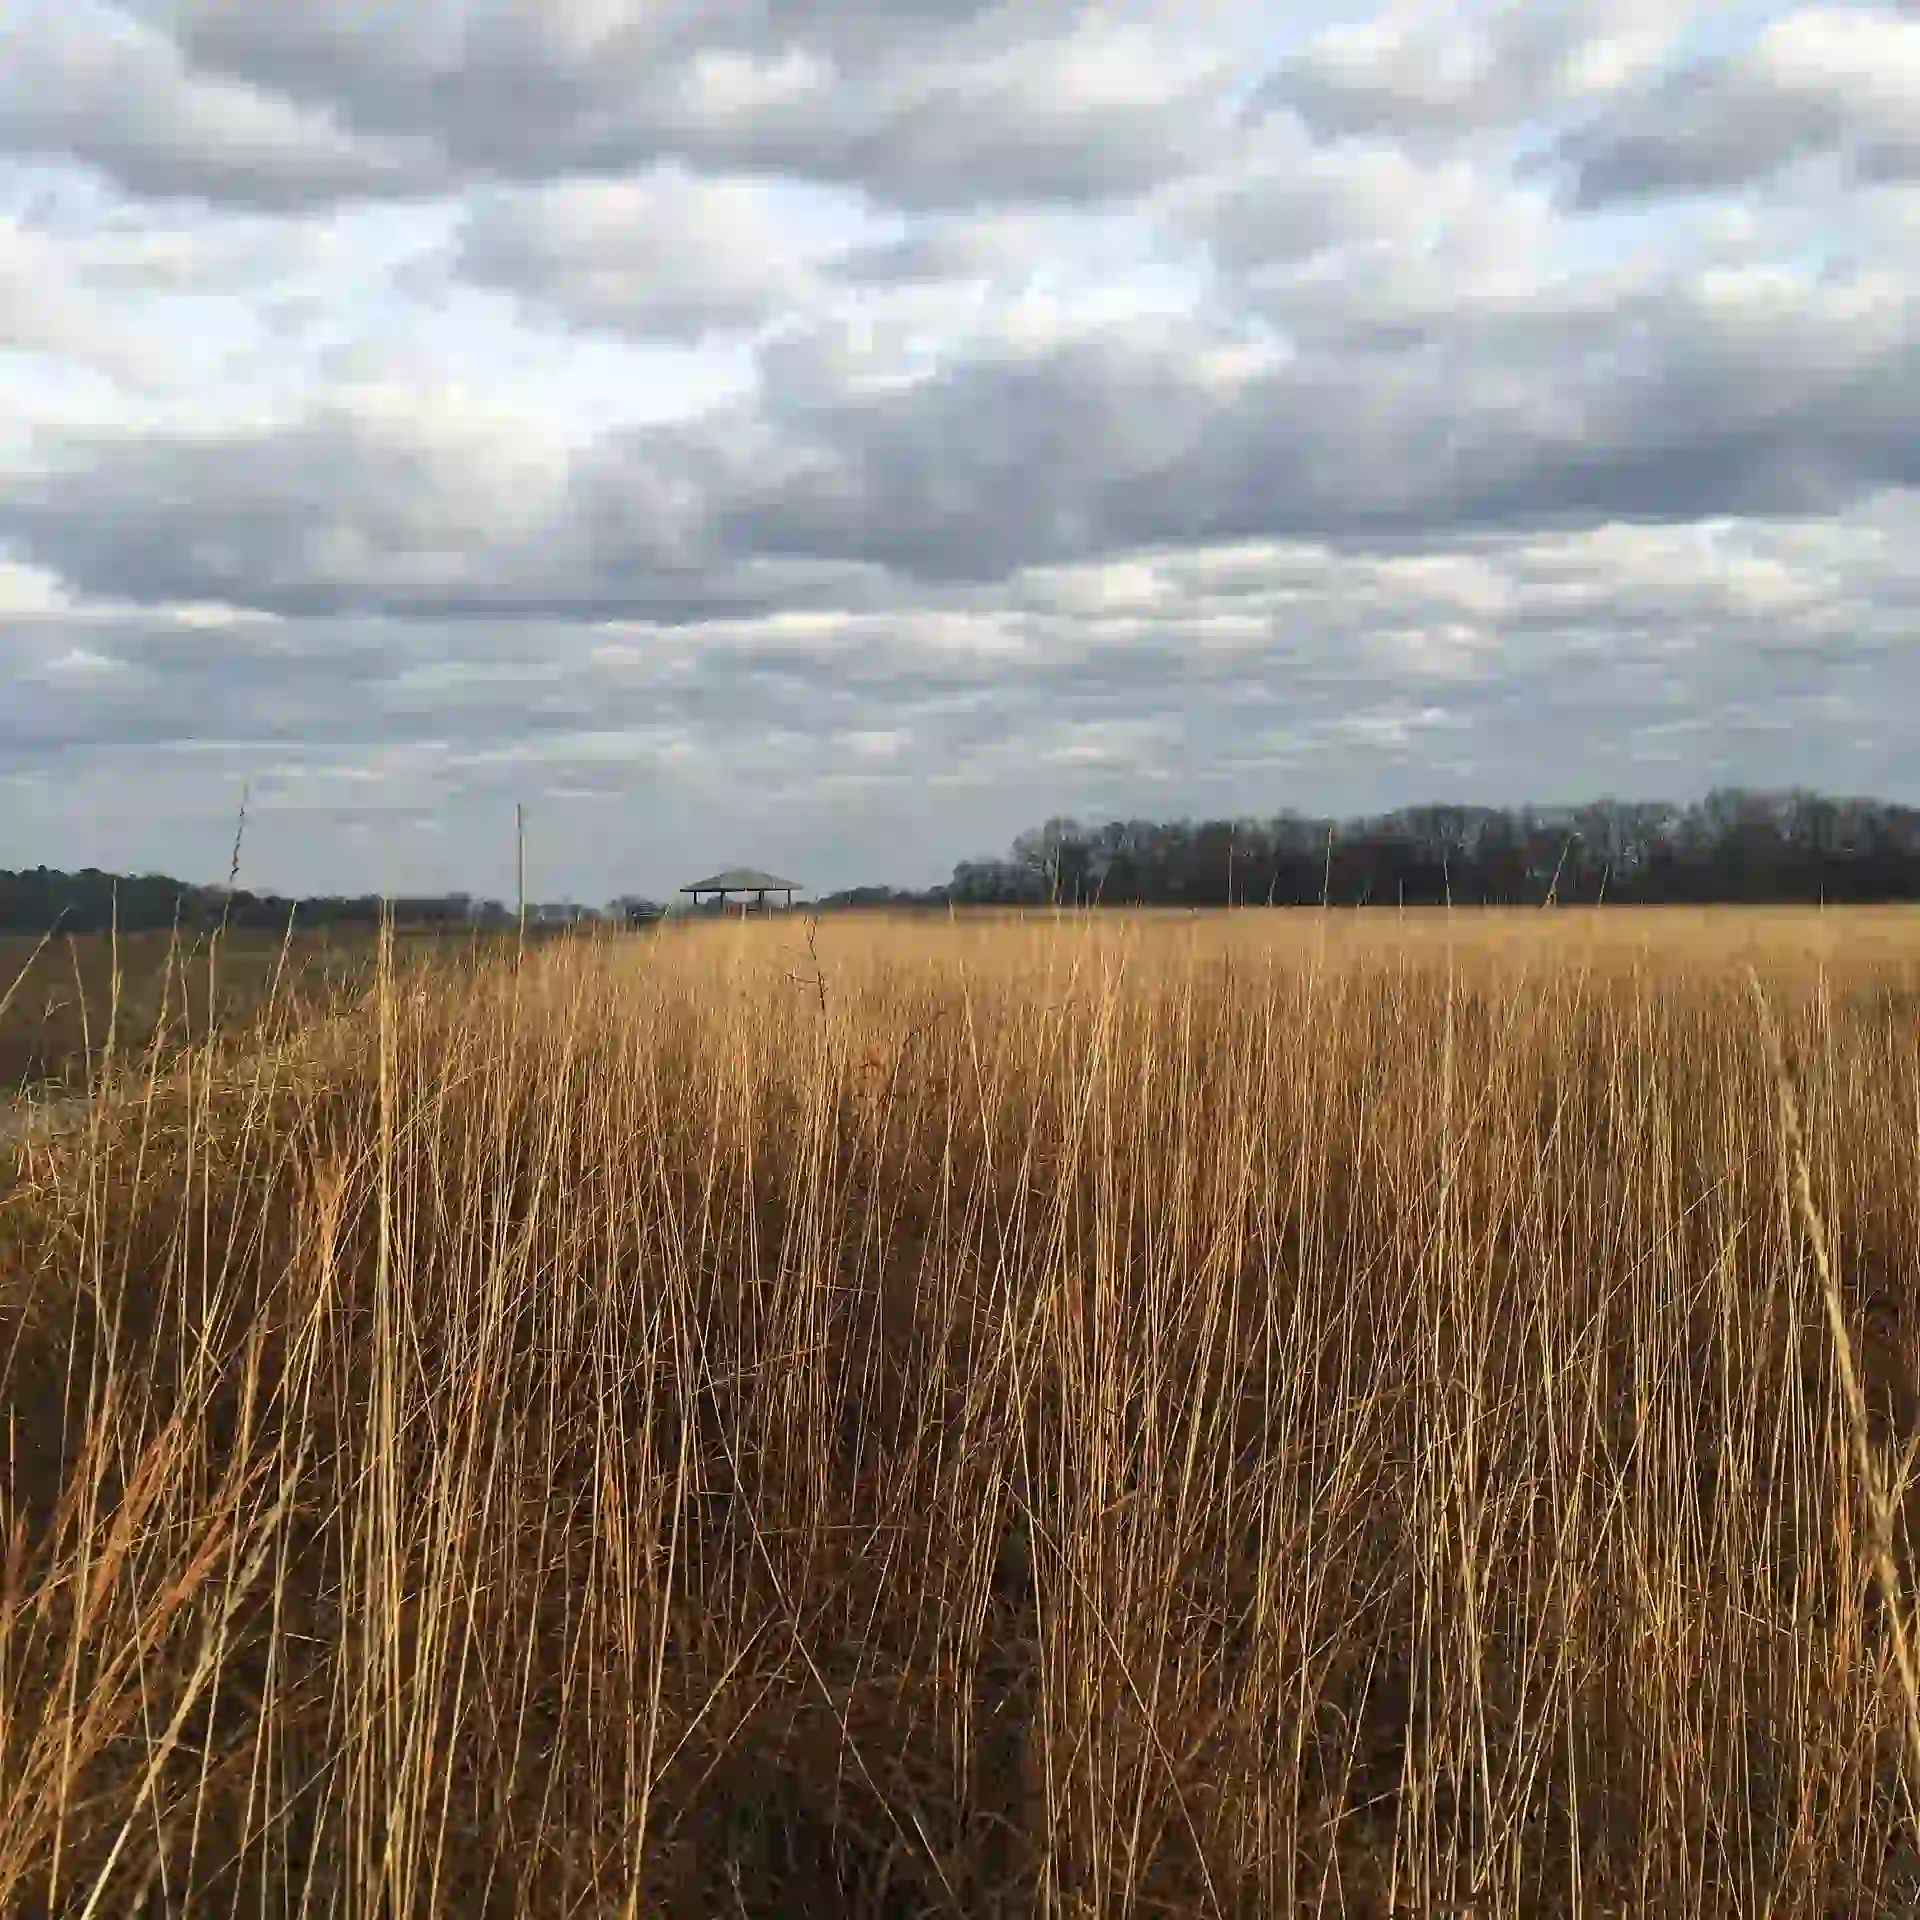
(836, 437)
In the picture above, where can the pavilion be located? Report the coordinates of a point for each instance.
(741, 882)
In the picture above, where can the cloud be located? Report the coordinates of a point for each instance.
(1424, 72)
(374, 497)
(997, 248)
(1723, 394)
(84, 288)
(1289, 209)
(1182, 680)
(917, 104)
(46, 309)
(1837, 82)
(85, 81)
(665, 254)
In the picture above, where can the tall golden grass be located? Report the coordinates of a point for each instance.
(1139, 1415)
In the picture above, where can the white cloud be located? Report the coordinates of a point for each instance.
(918, 104)
(1827, 82)
(47, 309)
(30, 591)
(86, 79)
(666, 253)
(1420, 68)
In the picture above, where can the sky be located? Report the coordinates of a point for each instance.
(833, 437)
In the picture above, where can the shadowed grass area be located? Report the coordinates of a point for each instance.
(69, 993)
(1236, 1415)
(61, 997)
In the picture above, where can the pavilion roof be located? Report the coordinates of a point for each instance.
(742, 880)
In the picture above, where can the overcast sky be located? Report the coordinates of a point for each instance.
(833, 436)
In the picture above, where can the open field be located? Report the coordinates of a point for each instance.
(1249, 1414)
(61, 999)
(67, 998)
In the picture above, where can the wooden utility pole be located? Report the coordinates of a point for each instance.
(520, 869)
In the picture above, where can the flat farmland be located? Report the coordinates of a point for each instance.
(1249, 1413)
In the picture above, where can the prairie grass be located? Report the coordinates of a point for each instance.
(1141, 1415)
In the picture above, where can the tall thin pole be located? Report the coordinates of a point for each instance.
(520, 869)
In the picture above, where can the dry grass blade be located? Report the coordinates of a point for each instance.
(1873, 1479)
(19, 979)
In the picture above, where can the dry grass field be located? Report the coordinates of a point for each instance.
(1144, 1415)
(58, 999)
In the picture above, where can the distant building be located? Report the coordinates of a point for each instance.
(747, 885)
(634, 910)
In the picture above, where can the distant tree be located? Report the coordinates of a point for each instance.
(1060, 855)
(1735, 845)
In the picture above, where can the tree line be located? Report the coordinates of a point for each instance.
(1733, 846)
(94, 901)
